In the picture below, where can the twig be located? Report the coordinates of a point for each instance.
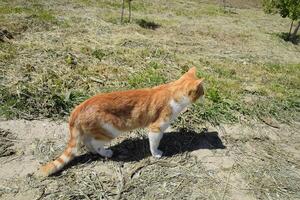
(227, 181)
(11, 159)
(122, 11)
(267, 122)
(121, 184)
(96, 80)
(41, 195)
(84, 194)
(11, 140)
(129, 5)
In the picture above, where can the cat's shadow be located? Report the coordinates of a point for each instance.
(172, 143)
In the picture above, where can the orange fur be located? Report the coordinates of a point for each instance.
(96, 117)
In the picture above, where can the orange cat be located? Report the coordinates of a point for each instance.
(103, 117)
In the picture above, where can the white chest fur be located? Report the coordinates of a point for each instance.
(179, 106)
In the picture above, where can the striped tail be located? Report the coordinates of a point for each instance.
(66, 156)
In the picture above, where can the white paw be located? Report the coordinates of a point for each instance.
(157, 153)
(107, 153)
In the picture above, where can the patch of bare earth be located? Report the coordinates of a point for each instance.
(249, 161)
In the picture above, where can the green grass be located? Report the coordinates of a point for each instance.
(47, 96)
(147, 24)
(8, 52)
(150, 77)
(36, 11)
(44, 15)
(98, 53)
(14, 10)
(52, 68)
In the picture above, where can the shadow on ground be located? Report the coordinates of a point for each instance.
(135, 149)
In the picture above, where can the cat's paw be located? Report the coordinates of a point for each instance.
(107, 153)
(157, 154)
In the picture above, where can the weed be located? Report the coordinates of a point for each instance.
(8, 52)
(71, 59)
(44, 15)
(99, 54)
(14, 10)
(147, 24)
(286, 37)
(147, 78)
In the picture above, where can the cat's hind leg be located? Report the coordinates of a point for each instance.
(98, 147)
(95, 139)
(87, 142)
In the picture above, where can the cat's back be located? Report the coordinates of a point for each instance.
(137, 106)
(119, 98)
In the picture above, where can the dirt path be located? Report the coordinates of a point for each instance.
(253, 161)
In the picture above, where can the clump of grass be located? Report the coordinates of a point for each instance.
(39, 94)
(14, 10)
(99, 54)
(8, 52)
(44, 15)
(286, 37)
(6, 143)
(30, 103)
(35, 12)
(71, 59)
(150, 77)
(147, 24)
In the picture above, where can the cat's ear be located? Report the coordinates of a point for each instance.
(192, 71)
(200, 82)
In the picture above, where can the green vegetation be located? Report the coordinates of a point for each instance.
(98, 53)
(286, 8)
(29, 15)
(149, 77)
(147, 24)
(16, 10)
(43, 78)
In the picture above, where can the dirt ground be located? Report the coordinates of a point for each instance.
(249, 161)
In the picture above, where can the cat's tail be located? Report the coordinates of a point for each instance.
(66, 156)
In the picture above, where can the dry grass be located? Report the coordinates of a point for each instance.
(270, 171)
(6, 143)
(132, 173)
(242, 161)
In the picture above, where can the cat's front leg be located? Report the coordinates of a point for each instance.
(156, 132)
(154, 140)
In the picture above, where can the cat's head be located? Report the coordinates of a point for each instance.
(192, 85)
